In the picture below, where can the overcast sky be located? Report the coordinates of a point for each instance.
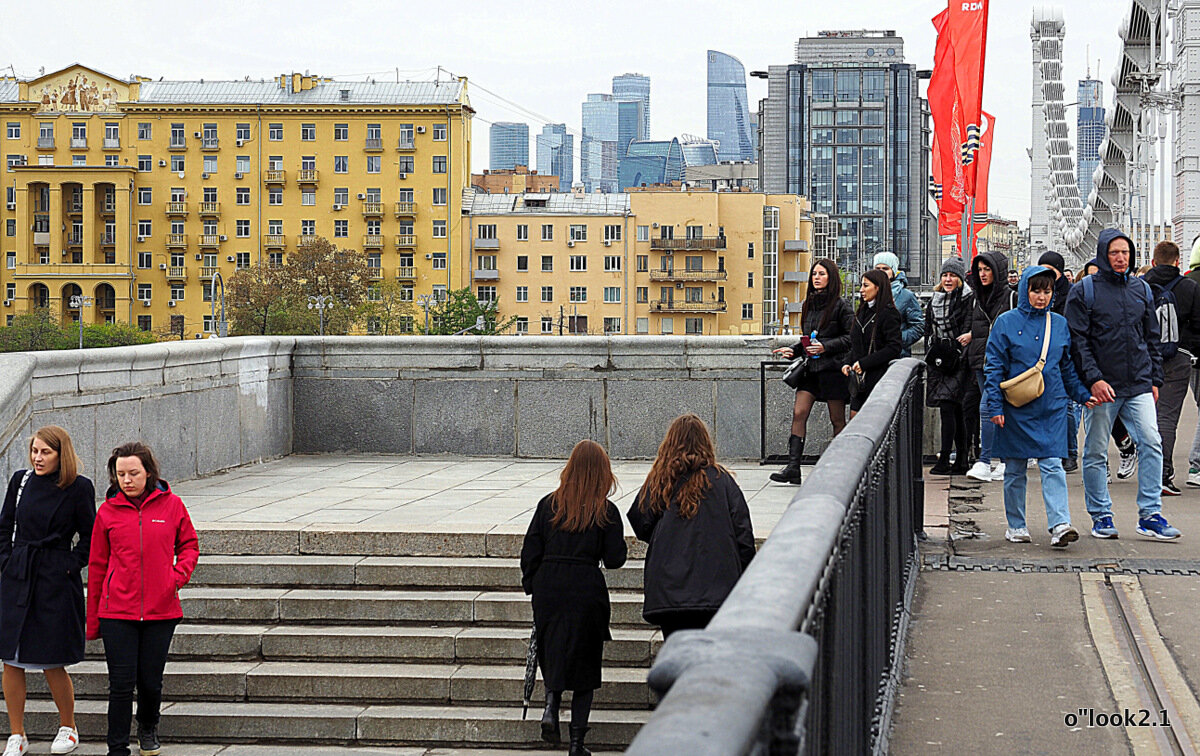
(545, 57)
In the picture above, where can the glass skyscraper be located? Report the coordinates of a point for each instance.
(632, 86)
(556, 154)
(610, 125)
(729, 117)
(1089, 132)
(508, 145)
(843, 126)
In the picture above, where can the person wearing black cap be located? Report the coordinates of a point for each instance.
(1062, 287)
(947, 333)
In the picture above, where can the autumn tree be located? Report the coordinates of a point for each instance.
(33, 331)
(259, 298)
(320, 268)
(385, 311)
(461, 310)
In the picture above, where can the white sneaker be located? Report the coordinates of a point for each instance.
(1193, 479)
(1031, 464)
(998, 473)
(1063, 534)
(1128, 465)
(981, 471)
(16, 746)
(1017, 535)
(65, 741)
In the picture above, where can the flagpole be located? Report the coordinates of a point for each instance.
(966, 246)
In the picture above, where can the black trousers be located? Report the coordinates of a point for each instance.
(954, 432)
(684, 619)
(136, 653)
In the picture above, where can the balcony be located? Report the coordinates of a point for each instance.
(699, 243)
(210, 208)
(689, 275)
(274, 177)
(177, 142)
(76, 208)
(210, 240)
(274, 241)
(372, 208)
(45, 143)
(210, 143)
(307, 176)
(108, 240)
(112, 143)
(177, 240)
(406, 209)
(306, 240)
(373, 241)
(406, 145)
(671, 305)
(78, 143)
(406, 273)
(208, 272)
(487, 275)
(374, 273)
(108, 207)
(177, 208)
(177, 273)
(406, 241)
(373, 144)
(74, 240)
(487, 244)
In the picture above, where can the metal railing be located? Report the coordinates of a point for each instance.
(804, 656)
(658, 274)
(307, 176)
(680, 305)
(705, 242)
(210, 208)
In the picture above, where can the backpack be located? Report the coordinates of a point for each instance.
(1162, 301)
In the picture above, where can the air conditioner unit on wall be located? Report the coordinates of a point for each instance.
(362, 196)
(199, 257)
(162, 163)
(608, 242)
(171, 303)
(203, 175)
(571, 243)
(403, 176)
(223, 237)
(336, 206)
(145, 303)
(8, 303)
(229, 258)
(237, 175)
(162, 266)
(12, 205)
(241, 142)
(142, 238)
(198, 134)
(420, 129)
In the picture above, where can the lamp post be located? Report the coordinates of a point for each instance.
(426, 301)
(320, 304)
(78, 302)
(221, 326)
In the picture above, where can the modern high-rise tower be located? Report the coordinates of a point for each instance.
(729, 119)
(556, 154)
(1089, 132)
(1047, 32)
(598, 148)
(508, 145)
(633, 86)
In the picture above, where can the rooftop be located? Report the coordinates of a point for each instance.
(557, 203)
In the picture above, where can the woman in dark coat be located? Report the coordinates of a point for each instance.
(875, 339)
(696, 521)
(988, 279)
(572, 531)
(825, 321)
(947, 334)
(41, 593)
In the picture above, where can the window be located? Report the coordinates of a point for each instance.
(375, 164)
(12, 160)
(643, 294)
(308, 163)
(341, 228)
(522, 325)
(373, 132)
(243, 195)
(822, 86)
(243, 228)
(177, 290)
(439, 132)
(578, 293)
(210, 163)
(145, 131)
(373, 294)
(177, 164)
(612, 263)
(243, 260)
(439, 163)
(522, 294)
(612, 233)
(145, 260)
(10, 291)
(341, 163)
(308, 132)
(341, 196)
(144, 291)
(341, 132)
(308, 197)
(522, 232)
(439, 229)
(275, 132)
(643, 263)
(486, 231)
(275, 227)
(439, 263)
(693, 326)
(666, 325)
(547, 325)
(485, 293)
(547, 263)
(275, 260)
(750, 251)
(274, 196)
(145, 195)
(112, 161)
(406, 134)
(750, 279)
(612, 294)
(578, 232)
(747, 310)
(547, 232)
(547, 293)
(439, 195)
(79, 160)
(10, 227)
(522, 262)
(374, 261)
(145, 163)
(241, 132)
(643, 233)
(275, 162)
(485, 262)
(373, 227)
(308, 228)
(578, 263)
(144, 228)
(146, 323)
(13, 131)
(407, 165)
(406, 295)
(612, 325)
(693, 262)
(10, 260)
(643, 325)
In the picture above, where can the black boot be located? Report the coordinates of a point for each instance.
(942, 466)
(148, 741)
(551, 731)
(577, 734)
(791, 473)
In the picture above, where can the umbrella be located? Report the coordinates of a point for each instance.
(530, 671)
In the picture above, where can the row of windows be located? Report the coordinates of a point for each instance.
(341, 195)
(341, 228)
(242, 131)
(579, 324)
(405, 164)
(578, 232)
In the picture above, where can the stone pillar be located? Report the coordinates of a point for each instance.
(121, 218)
(24, 220)
(90, 249)
(56, 223)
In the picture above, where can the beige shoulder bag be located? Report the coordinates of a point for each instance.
(1024, 388)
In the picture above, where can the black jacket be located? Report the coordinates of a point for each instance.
(41, 592)
(1117, 338)
(1187, 304)
(948, 317)
(835, 336)
(693, 564)
(1062, 288)
(875, 339)
(990, 301)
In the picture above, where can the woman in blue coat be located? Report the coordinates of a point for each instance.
(1037, 430)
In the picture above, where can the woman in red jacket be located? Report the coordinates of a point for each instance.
(144, 549)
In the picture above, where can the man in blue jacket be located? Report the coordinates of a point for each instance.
(912, 317)
(1114, 341)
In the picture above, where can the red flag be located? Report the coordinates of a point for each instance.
(983, 163)
(967, 27)
(947, 123)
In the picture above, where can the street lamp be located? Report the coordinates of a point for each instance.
(221, 326)
(78, 302)
(426, 301)
(320, 304)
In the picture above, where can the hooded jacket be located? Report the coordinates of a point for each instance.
(912, 318)
(990, 301)
(1116, 339)
(140, 558)
(1187, 304)
(1039, 429)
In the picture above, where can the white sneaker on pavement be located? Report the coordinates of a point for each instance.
(1063, 534)
(1017, 535)
(980, 471)
(16, 746)
(1128, 465)
(998, 473)
(65, 741)
(1193, 479)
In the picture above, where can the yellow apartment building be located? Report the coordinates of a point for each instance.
(136, 194)
(680, 262)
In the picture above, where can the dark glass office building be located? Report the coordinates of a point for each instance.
(729, 116)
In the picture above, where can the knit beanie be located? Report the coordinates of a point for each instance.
(1195, 259)
(1054, 260)
(889, 259)
(956, 266)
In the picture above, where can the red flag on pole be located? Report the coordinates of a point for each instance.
(983, 161)
(947, 122)
(967, 27)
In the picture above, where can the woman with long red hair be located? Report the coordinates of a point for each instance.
(695, 518)
(573, 530)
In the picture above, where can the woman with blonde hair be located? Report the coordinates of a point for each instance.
(696, 521)
(41, 591)
(573, 530)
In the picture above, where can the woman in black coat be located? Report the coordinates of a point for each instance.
(825, 321)
(875, 339)
(696, 521)
(572, 531)
(993, 296)
(947, 335)
(41, 593)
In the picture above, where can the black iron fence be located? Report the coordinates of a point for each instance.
(805, 654)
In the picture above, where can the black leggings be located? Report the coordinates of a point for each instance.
(954, 431)
(136, 653)
(684, 619)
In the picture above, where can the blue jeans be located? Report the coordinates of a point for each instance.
(987, 430)
(1073, 411)
(1054, 492)
(1141, 420)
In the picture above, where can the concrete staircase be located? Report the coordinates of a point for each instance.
(350, 648)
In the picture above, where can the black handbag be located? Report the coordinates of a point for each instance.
(795, 372)
(944, 355)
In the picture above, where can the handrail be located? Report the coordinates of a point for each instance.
(804, 654)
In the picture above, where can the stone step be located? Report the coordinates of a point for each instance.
(362, 683)
(332, 606)
(342, 724)
(630, 646)
(379, 572)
